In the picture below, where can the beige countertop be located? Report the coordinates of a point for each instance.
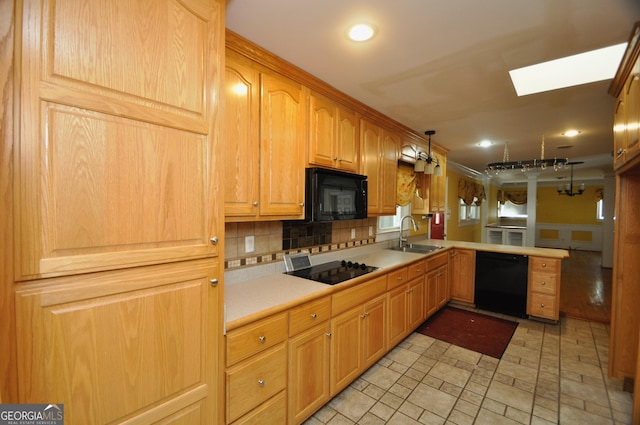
(256, 298)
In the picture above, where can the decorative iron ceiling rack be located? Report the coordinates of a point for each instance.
(527, 164)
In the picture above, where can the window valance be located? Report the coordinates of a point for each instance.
(517, 197)
(599, 195)
(406, 184)
(469, 191)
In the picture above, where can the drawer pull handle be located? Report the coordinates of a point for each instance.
(313, 315)
(542, 305)
(399, 277)
(328, 334)
(261, 382)
(262, 339)
(255, 203)
(543, 283)
(362, 316)
(544, 264)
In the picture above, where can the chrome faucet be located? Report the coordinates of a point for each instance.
(415, 229)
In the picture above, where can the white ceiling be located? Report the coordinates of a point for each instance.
(443, 65)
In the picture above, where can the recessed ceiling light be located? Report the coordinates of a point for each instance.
(571, 133)
(361, 32)
(485, 143)
(583, 68)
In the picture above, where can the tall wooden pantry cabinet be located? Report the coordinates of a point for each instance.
(112, 296)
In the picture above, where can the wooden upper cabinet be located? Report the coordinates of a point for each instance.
(334, 139)
(438, 185)
(241, 139)
(379, 164)
(389, 167)
(282, 148)
(116, 163)
(626, 88)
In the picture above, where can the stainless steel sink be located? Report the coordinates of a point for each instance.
(416, 248)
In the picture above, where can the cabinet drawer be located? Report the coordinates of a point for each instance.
(273, 411)
(542, 264)
(437, 261)
(251, 339)
(543, 305)
(397, 278)
(308, 315)
(254, 381)
(416, 269)
(357, 295)
(543, 282)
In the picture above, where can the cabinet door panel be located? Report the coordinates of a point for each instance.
(389, 167)
(348, 141)
(119, 343)
(346, 349)
(241, 139)
(371, 156)
(397, 324)
(374, 332)
(308, 387)
(282, 132)
(322, 131)
(116, 154)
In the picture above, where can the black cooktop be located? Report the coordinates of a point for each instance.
(333, 272)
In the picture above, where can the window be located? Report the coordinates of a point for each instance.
(511, 210)
(600, 210)
(469, 214)
(391, 223)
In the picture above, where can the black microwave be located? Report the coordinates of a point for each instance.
(332, 195)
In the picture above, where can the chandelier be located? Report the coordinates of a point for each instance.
(495, 168)
(567, 189)
(426, 165)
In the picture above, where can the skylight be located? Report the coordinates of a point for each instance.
(583, 68)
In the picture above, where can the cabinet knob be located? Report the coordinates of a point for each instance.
(261, 382)
(302, 204)
(213, 282)
(255, 203)
(543, 283)
(262, 339)
(620, 152)
(213, 240)
(313, 315)
(328, 334)
(544, 264)
(399, 277)
(362, 316)
(542, 305)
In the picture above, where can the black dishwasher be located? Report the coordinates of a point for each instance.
(501, 283)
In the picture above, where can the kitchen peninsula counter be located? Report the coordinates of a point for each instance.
(259, 297)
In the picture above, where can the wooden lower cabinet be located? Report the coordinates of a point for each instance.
(308, 383)
(309, 351)
(406, 309)
(132, 345)
(438, 276)
(462, 274)
(357, 341)
(543, 297)
(256, 366)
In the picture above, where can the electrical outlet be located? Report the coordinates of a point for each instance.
(353, 233)
(249, 244)
(370, 230)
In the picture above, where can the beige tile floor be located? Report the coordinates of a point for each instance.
(549, 374)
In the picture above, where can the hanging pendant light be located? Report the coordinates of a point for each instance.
(428, 168)
(568, 188)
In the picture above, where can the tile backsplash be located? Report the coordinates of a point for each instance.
(270, 240)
